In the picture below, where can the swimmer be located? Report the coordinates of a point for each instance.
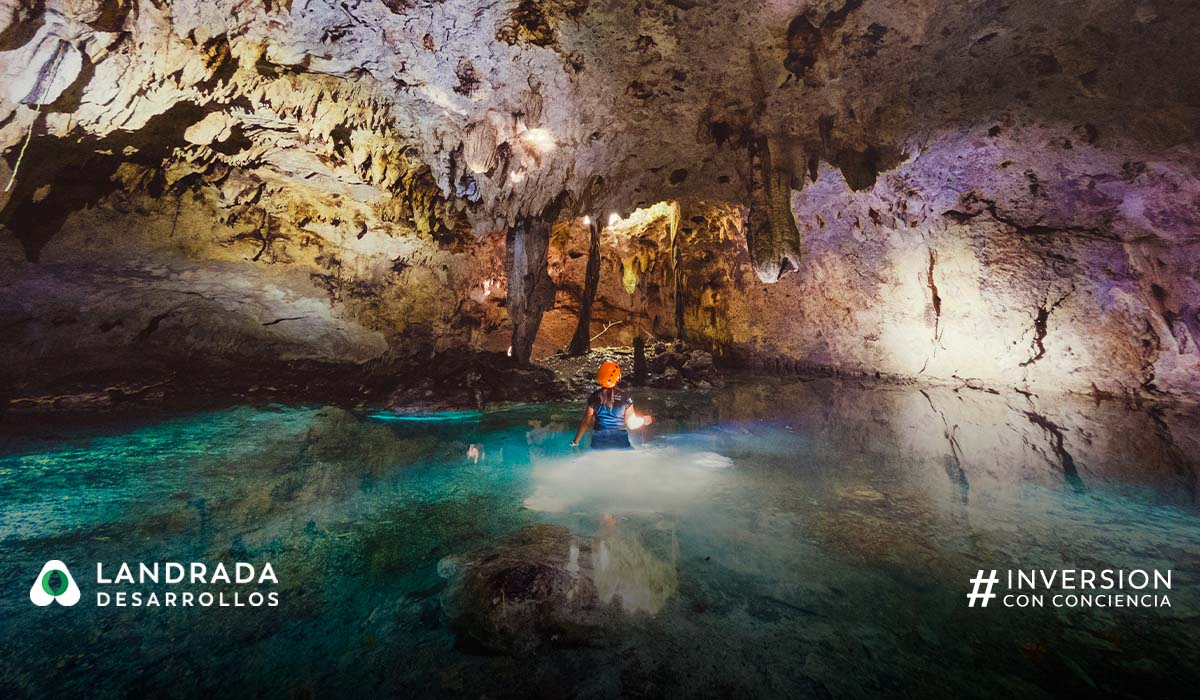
(610, 411)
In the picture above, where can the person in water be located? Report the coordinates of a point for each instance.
(610, 410)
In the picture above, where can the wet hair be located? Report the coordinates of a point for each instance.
(608, 397)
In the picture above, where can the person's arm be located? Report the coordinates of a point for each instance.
(633, 421)
(583, 425)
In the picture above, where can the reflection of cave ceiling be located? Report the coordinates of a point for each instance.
(417, 111)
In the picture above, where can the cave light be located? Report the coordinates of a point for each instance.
(635, 422)
(640, 219)
(540, 141)
(587, 220)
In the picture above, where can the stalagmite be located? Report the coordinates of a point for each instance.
(639, 360)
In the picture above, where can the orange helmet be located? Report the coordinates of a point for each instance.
(609, 374)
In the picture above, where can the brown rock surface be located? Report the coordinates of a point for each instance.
(1006, 194)
(542, 585)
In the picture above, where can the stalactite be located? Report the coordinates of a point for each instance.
(530, 289)
(581, 341)
(677, 277)
(771, 235)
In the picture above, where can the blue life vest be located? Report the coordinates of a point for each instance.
(610, 417)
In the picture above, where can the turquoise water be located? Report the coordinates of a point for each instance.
(777, 540)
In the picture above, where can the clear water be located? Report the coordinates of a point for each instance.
(817, 539)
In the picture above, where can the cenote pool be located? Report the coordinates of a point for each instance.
(768, 539)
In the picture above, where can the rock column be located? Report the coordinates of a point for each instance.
(530, 289)
(581, 342)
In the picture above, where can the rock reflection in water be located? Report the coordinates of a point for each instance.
(627, 574)
(814, 537)
(966, 435)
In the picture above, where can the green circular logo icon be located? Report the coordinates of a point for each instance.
(54, 585)
(54, 582)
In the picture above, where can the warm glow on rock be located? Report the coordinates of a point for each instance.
(911, 290)
(539, 140)
(635, 258)
(640, 219)
(629, 275)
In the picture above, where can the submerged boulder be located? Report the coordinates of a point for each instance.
(544, 585)
(534, 587)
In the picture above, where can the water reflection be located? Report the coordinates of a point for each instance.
(968, 434)
(629, 575)
(838, 521)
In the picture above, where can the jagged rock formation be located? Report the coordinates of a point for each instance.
(1005, 194)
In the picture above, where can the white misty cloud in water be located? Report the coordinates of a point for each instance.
(625, 481)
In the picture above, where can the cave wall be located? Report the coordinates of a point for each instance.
(137, 292)
(1027, 260)
(1002, 193)
(1008, 258)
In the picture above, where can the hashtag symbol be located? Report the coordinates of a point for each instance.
(982, 582)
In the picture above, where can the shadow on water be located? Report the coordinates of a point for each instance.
(766, 540)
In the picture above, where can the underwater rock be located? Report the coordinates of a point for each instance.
(535, 587)
(337, 435)
(543, 585)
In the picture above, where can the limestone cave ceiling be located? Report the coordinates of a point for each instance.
(444, 114)
(1005, 189)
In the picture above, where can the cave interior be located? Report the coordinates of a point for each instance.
(967, 233)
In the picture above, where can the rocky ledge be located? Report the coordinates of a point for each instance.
(433, 382)
(668, 366)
